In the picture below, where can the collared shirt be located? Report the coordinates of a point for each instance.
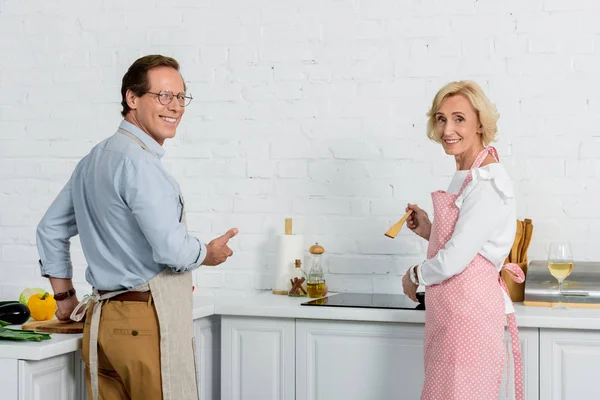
(486, 225)
(127, 211)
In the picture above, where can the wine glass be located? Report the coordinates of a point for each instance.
(560, 264)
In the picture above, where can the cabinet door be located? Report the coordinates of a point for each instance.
(529, 339)
(208, 356)
(80, 389)
(9, 372)
(257, 358)
(358, 361)
(49, 379)
(569, 364)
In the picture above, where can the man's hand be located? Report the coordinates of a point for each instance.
(217, 250)
(65, 308)
(410, 289)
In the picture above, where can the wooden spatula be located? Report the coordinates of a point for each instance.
(393, 231)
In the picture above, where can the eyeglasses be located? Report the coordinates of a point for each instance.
(165, 97)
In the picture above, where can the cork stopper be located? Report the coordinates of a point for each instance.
(288, 226)
(298, 262)
(316, 249)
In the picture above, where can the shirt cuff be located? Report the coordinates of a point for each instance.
(420, 274)
(56, 270)
(201, 254)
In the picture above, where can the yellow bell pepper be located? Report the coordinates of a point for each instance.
(42, 306)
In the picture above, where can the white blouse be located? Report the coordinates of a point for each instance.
(486, 225)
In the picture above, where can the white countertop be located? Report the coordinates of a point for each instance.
(59, 343)
(274, 306)
(270, 305)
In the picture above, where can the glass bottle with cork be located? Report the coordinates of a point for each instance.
(297, 282)
(316, 286)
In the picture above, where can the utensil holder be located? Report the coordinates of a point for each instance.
(515, 290)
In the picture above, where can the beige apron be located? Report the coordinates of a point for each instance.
(172, 296)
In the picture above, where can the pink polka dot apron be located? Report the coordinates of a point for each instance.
(465, 315)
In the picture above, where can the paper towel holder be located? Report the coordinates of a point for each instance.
(281, 270)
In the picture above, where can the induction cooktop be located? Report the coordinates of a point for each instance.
(369, 300)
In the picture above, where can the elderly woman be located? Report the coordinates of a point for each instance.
(473, 229)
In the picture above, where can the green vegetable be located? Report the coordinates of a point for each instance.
(17, 334)
(27, 293)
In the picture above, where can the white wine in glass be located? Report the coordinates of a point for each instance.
(560, 270)
(560, 264)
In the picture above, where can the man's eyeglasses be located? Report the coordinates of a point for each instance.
(165, 97)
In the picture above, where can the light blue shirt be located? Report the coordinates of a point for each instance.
(127, 211)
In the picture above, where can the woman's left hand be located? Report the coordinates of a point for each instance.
(410, 289)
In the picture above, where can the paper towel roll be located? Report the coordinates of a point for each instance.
(289, 248)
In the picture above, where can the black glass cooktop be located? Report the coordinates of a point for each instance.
(368, 300)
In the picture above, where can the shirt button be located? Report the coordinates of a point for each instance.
(134, 333)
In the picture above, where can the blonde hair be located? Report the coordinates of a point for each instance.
(486, 111)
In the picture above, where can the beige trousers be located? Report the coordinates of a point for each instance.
(128, 351)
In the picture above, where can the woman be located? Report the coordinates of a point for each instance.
(473, 230)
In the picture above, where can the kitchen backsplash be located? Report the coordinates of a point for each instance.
(313, 110)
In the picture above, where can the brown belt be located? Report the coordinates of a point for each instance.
(128, 296)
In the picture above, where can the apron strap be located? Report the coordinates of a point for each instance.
(137, 139)
(483, 154)
(518, 276)
(477, 163)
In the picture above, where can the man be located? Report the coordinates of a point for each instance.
(130, 216)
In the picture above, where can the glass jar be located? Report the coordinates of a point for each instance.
(316, 286)
(297, 282)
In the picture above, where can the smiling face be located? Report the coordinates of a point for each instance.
(458, 126)
(147, 113)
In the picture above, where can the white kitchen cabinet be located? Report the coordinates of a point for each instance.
(55, 378)
(207, 332)
(9, 381)
(80, 388)
(529, 339)
(257, 358)
(49, 379)
(569, 364)
(358, 360)
(380, 358)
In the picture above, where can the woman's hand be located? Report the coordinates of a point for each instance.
(410, 289)
(418, 221)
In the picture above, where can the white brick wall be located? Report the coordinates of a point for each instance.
(307, 109)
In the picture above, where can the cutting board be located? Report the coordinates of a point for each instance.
(53, 326)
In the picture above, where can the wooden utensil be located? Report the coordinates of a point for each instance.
(521, 242)
(53, 326)
(527, 239)
(514, 252)
(393, 231)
